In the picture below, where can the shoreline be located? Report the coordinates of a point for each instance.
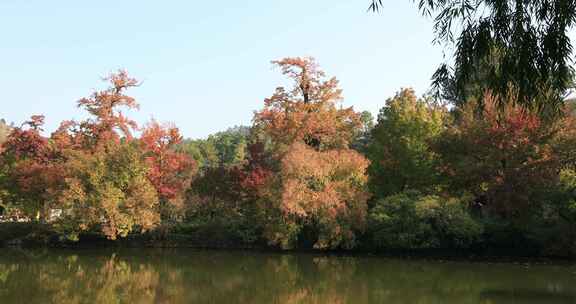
(187, 242)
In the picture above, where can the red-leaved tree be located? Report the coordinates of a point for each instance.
(170, 171)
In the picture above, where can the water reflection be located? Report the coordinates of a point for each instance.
(186, 276)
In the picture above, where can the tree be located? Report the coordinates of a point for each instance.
(316, 189)
(225, 200)
(257, 171)
(503, 155)
(523, 44)
(401, 151)
(170, 171)
(107, 119)
(227, 148)
(107, 191)
(217, 195)
(325, 192)
(27, 142)
(364, 134)
(202, 151)
(231, 145)
(308, 111)
(32, 167)
(108, 181)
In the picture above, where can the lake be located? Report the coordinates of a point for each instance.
(199, 276)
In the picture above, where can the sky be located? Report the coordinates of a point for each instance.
(204, 65)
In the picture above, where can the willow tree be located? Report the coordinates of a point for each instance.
(500, 44)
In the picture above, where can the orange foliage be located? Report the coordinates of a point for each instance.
(308, 112)
(103, 105)
(318, 183)
(325, 188)
(170, 171)
(28, 143)
(321, 180)
(92, 171)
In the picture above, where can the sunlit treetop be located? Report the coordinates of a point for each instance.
(104, 106)
(308, 111)
(36, 122)
(26, 142)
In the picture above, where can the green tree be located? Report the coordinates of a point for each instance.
(108, 191)
(364, 135)
(400, 151)
(552, 222)
(227, 148)
(202, 151)
(231, 145)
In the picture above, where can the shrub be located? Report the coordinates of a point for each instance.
(411, 220)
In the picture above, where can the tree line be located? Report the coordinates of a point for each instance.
(488, 172)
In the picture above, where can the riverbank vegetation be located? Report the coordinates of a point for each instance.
(484, 161)
(308, 173)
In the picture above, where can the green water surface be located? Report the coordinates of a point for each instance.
(196, 276)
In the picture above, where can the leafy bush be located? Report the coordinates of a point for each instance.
(411, 220)
(552, 222)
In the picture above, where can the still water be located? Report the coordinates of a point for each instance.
(192, 276)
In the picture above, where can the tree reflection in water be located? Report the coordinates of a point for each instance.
(188, 276)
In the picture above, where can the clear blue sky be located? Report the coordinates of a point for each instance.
(205, 65)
